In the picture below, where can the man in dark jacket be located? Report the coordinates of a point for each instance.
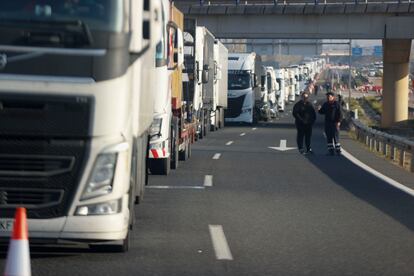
(305, 116)
(333, 116)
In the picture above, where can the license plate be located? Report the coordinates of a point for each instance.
(6, 225)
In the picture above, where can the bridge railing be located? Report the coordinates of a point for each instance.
(287, 2)
(392, 147)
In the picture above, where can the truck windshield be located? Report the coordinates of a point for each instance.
(99, 15)
(239, 80)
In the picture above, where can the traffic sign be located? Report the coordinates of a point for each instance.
(378, 51)
(357, 51)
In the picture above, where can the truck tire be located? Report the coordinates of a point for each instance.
(182, 155)
(221, 124)
(160, 166)
(141, 174)
(147, 161)
(189, 150)
(207, 124)
(174, 144)
(202, 128)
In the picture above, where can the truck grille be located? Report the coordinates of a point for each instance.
(26, 165)
(44, 143)
(43, 181)
(234, 107)
(29, 198)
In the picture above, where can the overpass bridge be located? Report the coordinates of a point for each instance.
(390, 21)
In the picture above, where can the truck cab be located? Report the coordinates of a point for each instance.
(243, 88)
(77, 105)
(280, 93)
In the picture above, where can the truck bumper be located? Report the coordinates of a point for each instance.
(242, 118)
(99, 228)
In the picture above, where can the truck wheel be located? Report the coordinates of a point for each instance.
(160, 166)
(221, 124)
(202, 129)
(207, 123)
(189, 150)
(182, 155)
(174, 145)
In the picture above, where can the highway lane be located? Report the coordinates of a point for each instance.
(280, 213)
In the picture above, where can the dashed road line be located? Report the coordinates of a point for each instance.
(208, 181)
(242, 134)
(220, 244)
(217, 156)
(254, 128)
(229, 143)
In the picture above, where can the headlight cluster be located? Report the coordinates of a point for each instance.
(100, 181)
(155, 128)
(246, 110)
(103, 208)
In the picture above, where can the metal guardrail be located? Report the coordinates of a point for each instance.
(392, 147)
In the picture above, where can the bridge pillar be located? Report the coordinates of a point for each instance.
(395, 81)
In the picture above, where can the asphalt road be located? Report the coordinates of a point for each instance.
(259, 211)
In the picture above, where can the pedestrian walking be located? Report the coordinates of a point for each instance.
(333, 116)
(305, 116)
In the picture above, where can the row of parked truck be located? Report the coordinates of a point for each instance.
(191, 91)
(257, 92)
(96, 95)
(93, 97)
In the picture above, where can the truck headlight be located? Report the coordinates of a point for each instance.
(101, 178)
(103, 208)
(157, 146)
(246, 110)
(155, 129)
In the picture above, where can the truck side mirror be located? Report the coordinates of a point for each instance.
(147, 32)
(205, 74)
(180, 47)
(263, 82)
(255, 81)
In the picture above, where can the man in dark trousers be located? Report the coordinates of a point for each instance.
(333, 116)
(305, 116)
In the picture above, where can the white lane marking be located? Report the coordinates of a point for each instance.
(385, 178)
(166, 187)
(217, 156)
(229, 143)
(208, 181)
(254, 128)
(243, 134)
(220, 244)
(282, 147)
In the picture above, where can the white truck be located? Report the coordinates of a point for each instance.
(244, 91)
(76, 101)
(281, 92)
(172, 131)
(220, 85)
(291, 84)
(270, 85)
(296, 79)
(203, 75)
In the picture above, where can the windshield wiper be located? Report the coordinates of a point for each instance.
(52, 32)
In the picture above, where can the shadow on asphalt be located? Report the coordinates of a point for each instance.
(55, 251)
(363, 185)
